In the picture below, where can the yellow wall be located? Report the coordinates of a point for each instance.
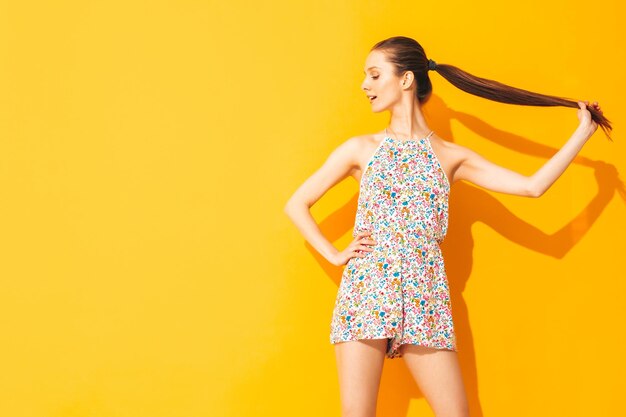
(146, 152)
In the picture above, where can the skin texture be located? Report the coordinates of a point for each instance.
(359, 363)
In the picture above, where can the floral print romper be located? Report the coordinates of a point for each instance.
(399, 290)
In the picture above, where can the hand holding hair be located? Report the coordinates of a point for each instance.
(585, 117)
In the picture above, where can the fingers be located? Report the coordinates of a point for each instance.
(361, 235)
(361, 247)
(597, 106)
(364, 243)
(584, 104)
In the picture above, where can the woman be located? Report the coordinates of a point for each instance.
(393, 300)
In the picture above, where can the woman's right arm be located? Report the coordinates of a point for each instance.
(339, 164)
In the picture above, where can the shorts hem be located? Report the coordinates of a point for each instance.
(396, 352)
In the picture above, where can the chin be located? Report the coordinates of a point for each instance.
(377, 108)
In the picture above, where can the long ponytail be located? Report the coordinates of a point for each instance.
(408, 55)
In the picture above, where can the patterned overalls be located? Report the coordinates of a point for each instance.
(399, 290)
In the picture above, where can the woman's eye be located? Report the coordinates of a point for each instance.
(375, 77)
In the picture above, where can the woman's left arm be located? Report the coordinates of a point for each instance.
(482, 172)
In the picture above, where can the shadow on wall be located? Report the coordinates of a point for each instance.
(467, 205)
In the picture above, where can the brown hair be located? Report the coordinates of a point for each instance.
(408, 55)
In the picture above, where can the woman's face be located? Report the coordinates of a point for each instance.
(381, 82)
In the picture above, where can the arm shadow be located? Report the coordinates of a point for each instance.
(469, 204)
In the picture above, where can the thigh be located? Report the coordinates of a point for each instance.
(360, 365)
(438, 375)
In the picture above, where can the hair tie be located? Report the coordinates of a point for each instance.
(432, 65)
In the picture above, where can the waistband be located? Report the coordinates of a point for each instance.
(404, 236)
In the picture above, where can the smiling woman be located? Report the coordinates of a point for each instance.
(394, 299)
(405, 54)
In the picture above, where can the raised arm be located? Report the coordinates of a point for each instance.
(478, 170)
(337, 166)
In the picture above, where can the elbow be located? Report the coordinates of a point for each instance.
(290, 207)
(534, 192)
(296, 205)
(287, 208)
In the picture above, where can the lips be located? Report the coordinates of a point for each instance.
(372, 98)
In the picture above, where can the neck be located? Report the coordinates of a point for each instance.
(407, 121)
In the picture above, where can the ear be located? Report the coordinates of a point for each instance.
(407, 79)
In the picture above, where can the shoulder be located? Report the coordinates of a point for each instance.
(452, 156)
(444, 143)
(365, 140)
(366, 143)
(355, 147)
(346, 154)
(451, 150)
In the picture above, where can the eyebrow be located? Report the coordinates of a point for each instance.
(373, 66)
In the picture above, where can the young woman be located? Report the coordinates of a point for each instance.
(394, 300)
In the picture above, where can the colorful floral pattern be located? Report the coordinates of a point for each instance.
(399, 291)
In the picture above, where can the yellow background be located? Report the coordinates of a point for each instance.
(147, 149)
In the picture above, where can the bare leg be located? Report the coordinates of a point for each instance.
(360, 366)
(438, 375)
